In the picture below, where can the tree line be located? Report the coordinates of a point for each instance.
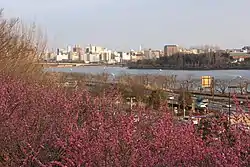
(215, 60)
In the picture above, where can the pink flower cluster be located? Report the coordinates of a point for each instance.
(42, 126)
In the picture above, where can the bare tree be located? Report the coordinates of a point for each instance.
(188, 82)
(246, 86)
(243, 85)
(21, 49)
(103, 77)
(146, 80)
(221, 86)
(173, 81)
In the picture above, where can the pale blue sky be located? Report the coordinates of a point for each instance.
(125, 24)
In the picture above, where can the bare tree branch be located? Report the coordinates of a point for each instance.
(221, 86)
(20, 48)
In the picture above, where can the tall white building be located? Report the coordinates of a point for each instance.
(91, 49)
(69, 48)
(61, 55)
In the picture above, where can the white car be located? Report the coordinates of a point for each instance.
(203, 105)
(227, 106)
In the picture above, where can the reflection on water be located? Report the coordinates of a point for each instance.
(218, 74)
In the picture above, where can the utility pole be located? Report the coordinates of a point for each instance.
(212, 87)
(183, 99)
(184, 104)
(229, 106)
(131, 101)
(172, 100)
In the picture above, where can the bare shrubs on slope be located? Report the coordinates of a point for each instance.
(20, 49)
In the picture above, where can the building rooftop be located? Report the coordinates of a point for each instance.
(170, 45)
(246, 47)
(239, 54)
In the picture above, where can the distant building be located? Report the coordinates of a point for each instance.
(118, 59)
(239, 56)
(91, 49)
(170, 50)
(190, 51)
(57, 51)
(246, 49)
(75, 56)
(62, 57)
(82, 57)
(156, 54)
(77, 53)
(152, 54)
(135, 56)
(69, 49)
(147, 54)
(77, 49)
(94, 58)
(124, 56)
(50, 56)
(106, 55)
(96, 54)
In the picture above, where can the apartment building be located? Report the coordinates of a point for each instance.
(170, 50)
(91, 49)
(62, 55)
(124, 56)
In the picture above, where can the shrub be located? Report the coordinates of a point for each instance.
(188, 98)
(156, 97)
(41, 126)
(21, 48)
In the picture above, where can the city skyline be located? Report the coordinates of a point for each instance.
(129, 24)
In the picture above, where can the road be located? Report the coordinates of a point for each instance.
(214, 105)
(217, 103)
(217, 97)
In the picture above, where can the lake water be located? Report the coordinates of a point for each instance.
(181, 74)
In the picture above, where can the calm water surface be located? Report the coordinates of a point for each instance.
(218, 74)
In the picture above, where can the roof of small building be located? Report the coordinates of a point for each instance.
(239, 54)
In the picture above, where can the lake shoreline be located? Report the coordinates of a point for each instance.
(181, 74)
(84, 65)
(187, 69)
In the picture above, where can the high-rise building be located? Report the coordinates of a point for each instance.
(77, 49)
(94, 49)
(147, 54)
(69, 48)
(170, 50)
(57, 51)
